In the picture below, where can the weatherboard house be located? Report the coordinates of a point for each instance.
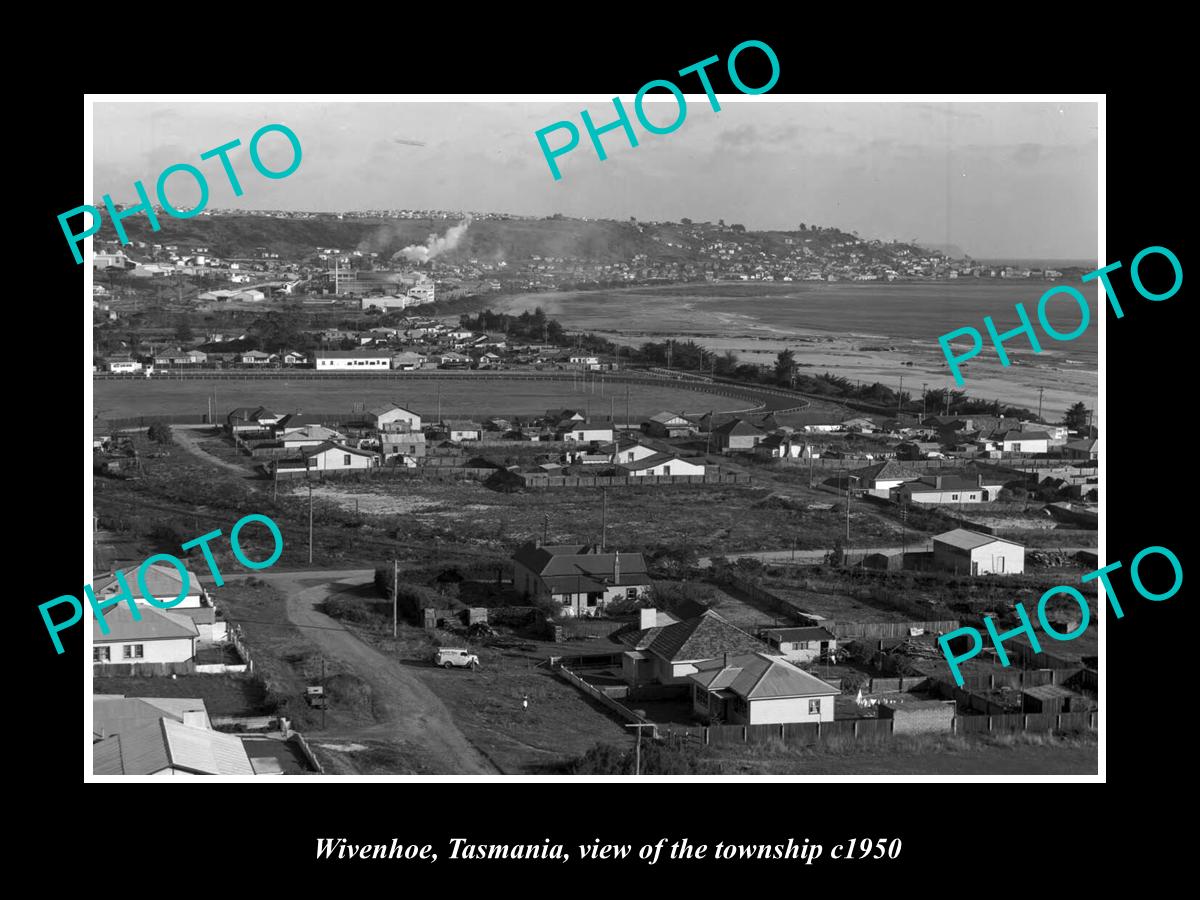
(578, 580)
(757, 689)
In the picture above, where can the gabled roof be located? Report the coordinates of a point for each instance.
(295, 420)
(705, 637)
(360, 353)
(163, 744)
(757, 676)
(969, 540)
(155, 624)
(737, 426)
(572, 568)
(886, 471)
(668, 418)
(657, 459)
(306, 452)
(163, 581)
(113, 715)
(386, 408)
(1017, 435)
(312, 433)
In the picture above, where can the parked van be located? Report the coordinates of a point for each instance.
(448, 657)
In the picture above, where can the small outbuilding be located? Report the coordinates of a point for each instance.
(972, 553)
(1054, 698)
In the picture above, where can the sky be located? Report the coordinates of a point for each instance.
(997, 179)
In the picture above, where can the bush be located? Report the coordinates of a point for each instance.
(160, 433)
(657, 759)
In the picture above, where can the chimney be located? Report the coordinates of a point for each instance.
(727, 659)
(617, 567)
(647, 618)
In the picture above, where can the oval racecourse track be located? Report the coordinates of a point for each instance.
(459, 394)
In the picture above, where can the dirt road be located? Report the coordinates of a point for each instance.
(410, 711)
(186, 436)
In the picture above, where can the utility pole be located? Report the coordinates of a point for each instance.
(924, 399)
(848, 477)
(603, 518)
(626, 405)
(395, 593)
(637, 764)
(439, 403)
(545, 529)
(275, 493)
(900, 396)
(324, 696)
(310, 527)
(1041, 390)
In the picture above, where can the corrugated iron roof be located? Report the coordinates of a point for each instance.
(154, 625)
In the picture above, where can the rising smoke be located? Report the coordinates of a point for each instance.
(436, 245)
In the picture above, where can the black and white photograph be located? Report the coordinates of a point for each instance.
(518, 438)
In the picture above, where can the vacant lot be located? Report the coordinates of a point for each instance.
(223, 695)
(1007, 754)
(486, 704)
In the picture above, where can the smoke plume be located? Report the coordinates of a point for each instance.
(436, 245)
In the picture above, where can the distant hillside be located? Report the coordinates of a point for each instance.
(490, 240)
(953, 251)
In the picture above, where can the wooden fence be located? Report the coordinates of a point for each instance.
(143, 669)
(812, 733)
(568, 481)
(298, 739)
(600, 697)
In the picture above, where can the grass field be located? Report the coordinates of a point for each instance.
(223, 695)
(1005, 754)
(151, 397)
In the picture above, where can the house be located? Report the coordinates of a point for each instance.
(453, 361)
(585, 431)
(661, 464)
(917, 449)
(969, 552)
(757, 689)
(556, 417)
(668, 425)
(310, 436)
(404, 443)
(249, 296)
(329, 457)
(1086, 448)
(391, 417)
(860, 425)
(114, 713)
(163, 581)
(587, 362)
(353, 360)
(180, 358)
(458, 431)
(169, 748)
(800, 644)
(293, 358)
(822, 427)
(407, 361)
(934, 489)
(782, 446)
(631, 451)
(736, 435)
(156, 637)
(881, 478)
(1015, 441)
(668, 653)
(255, 358)
(122, 365)
(579, 580)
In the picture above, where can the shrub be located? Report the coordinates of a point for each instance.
(160, 433)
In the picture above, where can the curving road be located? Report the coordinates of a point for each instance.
(411, 712)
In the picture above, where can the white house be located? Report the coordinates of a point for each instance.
(800, 644)
(163, 581)
(661, 464)
(757, 689)
(255, 358)
(168, 748)
(881, 478)
(969, 552)
(666, 650)
(310, 436)
(630, 452)
(407, 361)
(157, 636)
(946, 489)
(353, 360)
(586, 431)
(390, 417)
(249, 296)
(337, 458)
(1023, 441)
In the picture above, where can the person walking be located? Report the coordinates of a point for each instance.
(525, 703)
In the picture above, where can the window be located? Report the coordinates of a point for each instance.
(631, 593)
(954, 496)
(132, 651)
(1017, 448)
(101, 654)
(566, 600)
(814, 707)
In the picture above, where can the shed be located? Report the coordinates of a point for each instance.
(1054, 698)
(919, 716)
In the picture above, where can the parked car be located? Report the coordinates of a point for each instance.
(448, 657)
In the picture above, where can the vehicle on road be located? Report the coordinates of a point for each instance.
(449, 657)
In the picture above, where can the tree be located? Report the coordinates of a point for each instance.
(785, 366)
(1076, 417)
(183, 331)
(160, 433)
(740, 229)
